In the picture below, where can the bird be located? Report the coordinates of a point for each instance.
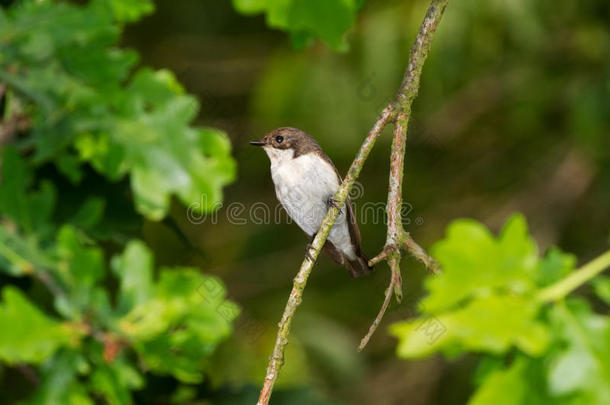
(306, 181)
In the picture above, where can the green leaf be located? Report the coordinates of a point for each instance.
(79, 268)
(601, 285)
(69, 166)
(519, 384)
(475, 263)
(324, 19)
(28, 335)
(20, 255)
(131, 10)
(84, 266)
(86, 106)
(113, 380)
(134, 269)
(582, 367)
(193, 307)
(554, 266)
(60, 383)
(89, 214)
(165, 156)
(492, 324)
(505, 387)
(105, 381)
(30, 209)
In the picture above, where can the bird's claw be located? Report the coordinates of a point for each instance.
(333, 203)
(307, 254)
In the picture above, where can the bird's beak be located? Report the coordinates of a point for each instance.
(257, 143)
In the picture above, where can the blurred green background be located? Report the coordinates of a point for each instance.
(513, 115)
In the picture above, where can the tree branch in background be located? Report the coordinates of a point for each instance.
(397, 112)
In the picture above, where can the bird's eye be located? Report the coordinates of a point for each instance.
(279, 139)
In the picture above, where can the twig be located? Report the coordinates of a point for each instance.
(385, 252)
(397, 237)
(420, 254)
(393, 262)
(398, 112)
(277, 357)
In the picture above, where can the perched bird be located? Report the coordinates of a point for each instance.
(306, 181)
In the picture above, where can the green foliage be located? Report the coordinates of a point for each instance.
(307, 19)
(84, 105)
(488, 301)
(87, 106)
(28, 335)
(32, 208)
(602, 288)
(171, 324)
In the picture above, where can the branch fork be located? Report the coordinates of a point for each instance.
(397, 112)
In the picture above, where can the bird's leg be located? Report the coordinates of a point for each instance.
(309, 247)
(331, 202)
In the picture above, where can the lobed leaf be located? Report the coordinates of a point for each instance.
(306, 19)
(582, 366)
(491, 324)
(61, 60)
(28, 335)
(475, 263)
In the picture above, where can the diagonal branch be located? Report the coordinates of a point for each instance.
(398, 113)
(277, 357)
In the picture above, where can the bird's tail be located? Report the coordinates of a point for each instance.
(359, 266)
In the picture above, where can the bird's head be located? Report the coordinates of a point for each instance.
(286, 143)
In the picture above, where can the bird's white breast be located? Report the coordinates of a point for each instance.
(304, 185)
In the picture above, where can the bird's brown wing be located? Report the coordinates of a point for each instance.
(359, 266)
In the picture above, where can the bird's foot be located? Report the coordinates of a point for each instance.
(333, 203)
(308, 255)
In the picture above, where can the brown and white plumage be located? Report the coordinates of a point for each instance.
(305, 182)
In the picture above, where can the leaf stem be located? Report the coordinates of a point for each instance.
(563, 287)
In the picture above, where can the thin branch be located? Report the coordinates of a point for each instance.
(393, 262)
(398, 111)
(409, 244)
(385, 252)
(397, 237)
(394, 206)
(277, 357)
